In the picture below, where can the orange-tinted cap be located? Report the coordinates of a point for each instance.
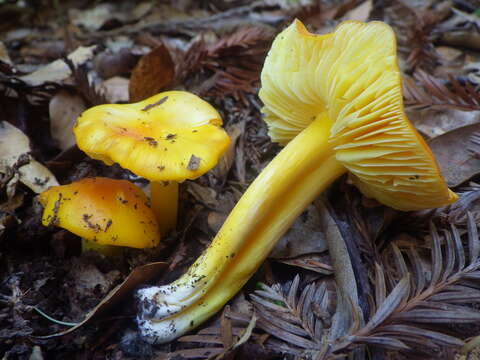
(107, 211)
(173, 135)
(351, 77)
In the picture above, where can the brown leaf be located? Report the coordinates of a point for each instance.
(457, 164)
(153, 73)
(138, 276)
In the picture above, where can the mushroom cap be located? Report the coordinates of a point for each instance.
(173, 135)
(351, 76)
(106, 211)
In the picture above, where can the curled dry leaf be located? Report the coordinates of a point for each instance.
(153, 73)
(457, 163)
(64, 108)
(58, 70)
(16, 161)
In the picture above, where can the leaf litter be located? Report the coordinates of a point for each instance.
(394, 283)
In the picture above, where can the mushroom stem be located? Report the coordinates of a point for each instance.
(107, 250)
(293, 179)
(164, 199)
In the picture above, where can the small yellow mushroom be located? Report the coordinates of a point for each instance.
(102, 211)
(335, 102)
(168, 138)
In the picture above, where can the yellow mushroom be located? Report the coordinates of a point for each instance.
(103, 212)
(335, 102)
(168, 138)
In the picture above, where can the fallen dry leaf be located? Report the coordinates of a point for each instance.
(89, 282)
(15, 160)
(457, 163)
(93, 19)
(109, 64)
(304, 237)
(115, 90)
(360, 13)
(435, 122)
(340, 257)
(153, 73)
(64, 108)
(202, 194)
(58, 70)
(227, 160)
(215, 220)
(138, 276)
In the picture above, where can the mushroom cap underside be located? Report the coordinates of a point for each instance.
(351, 76)
(173, 135)
(106, 211)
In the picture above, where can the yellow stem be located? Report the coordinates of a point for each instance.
(294, 178)
(164, 198)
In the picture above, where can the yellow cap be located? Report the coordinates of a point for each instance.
(173, 135)
(106, 211)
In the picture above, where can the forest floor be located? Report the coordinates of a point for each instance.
(416, 274)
